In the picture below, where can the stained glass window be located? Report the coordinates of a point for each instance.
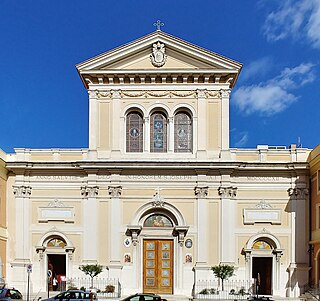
(182, 133)
(158, 133)
(134, 132)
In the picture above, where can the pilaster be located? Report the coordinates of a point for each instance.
(202, 124)
(93, 120)
(299, 267)
(225, 101)
(22, 196)
(115, 265)
(116, 95)
(90, 227)
(228, 216)
(202, 224)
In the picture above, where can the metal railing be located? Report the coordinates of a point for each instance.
(105, 287)
(233, 289)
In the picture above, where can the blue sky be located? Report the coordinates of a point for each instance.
(43, 103)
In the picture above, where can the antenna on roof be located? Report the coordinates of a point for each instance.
(299, 143)
(158, 24)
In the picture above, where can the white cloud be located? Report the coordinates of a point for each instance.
(294, 19)
(243, 140)
(273, 96)
(256, 68)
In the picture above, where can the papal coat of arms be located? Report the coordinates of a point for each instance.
(158, 56)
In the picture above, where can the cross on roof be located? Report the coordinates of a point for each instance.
(158, 24)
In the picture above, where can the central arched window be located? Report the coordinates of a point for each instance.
(158, 133)
(157, 220)
(134, 132)
(182, 133)
(56, 242)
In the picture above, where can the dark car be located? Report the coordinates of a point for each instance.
(7, 294)
(144, 297)
(73, 295)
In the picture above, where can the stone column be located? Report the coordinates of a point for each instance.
(22, 194)
(116, 136)
(171, 135)
(146, 134)
(202, 134)
(93, 120)
(225, 100)
(90, 227)
(115, 236)
(228, 217)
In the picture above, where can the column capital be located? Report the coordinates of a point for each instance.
(22, 191)
(299, 193)
(89, 191)
(115, 191)
(116, 93)
(93, 93)
(201, 93)
(228, 192)
(225, 93)
(201, 192)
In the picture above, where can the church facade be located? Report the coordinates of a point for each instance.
(159, 197)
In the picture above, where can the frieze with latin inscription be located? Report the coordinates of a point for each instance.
(159, 177)
(57, 178)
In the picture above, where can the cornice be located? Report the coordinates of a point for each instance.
(158, 163)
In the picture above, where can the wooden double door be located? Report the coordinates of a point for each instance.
(158, 266)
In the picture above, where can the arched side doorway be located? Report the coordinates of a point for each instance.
(158, 234)
(262, 254)
(55, 255)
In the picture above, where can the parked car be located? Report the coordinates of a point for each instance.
(73, 295)
(144, 297)
(7, 294)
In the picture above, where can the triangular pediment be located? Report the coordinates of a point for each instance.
(155, 53)
(136, 56)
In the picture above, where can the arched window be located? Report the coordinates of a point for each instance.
(134, 132)
(157, 220)
(261, 245)
(182, 133)
(56, 242)
(158, 133)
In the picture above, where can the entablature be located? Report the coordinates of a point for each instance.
(153, 77)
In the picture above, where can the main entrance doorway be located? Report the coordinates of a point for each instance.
(158, 266)
(57, 265)
(262, 270)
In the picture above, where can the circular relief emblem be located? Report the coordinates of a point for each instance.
(134, 132)
(188, 243)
